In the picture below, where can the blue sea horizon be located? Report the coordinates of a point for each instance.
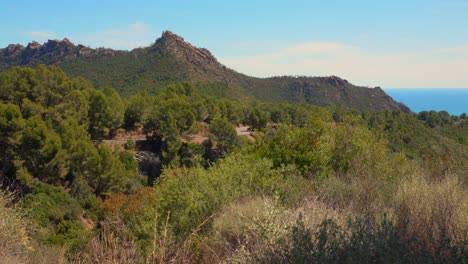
(452, 100)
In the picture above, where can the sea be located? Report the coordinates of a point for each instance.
(454, 101)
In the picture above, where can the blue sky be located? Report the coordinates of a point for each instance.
(375, 43)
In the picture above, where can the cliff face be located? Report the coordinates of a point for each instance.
(172, 59)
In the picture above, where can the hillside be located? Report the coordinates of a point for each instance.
(171, 59)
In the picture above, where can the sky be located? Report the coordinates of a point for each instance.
(391, 44)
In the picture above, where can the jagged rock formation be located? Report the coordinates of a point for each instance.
(51, 52)
(171, 59)
(173, 45)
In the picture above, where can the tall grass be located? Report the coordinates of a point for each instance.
(115, 244)
(16, 244)
(14, 239)
(426, 221)
(432, 216)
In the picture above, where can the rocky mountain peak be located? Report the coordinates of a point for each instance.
(13, 50)
(67, 41)
(171, 41)
(52, 42)
(170, 34)
(55, 43)
(34, 45)
(173, 44)
(51, 52)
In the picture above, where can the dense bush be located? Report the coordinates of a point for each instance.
(193, 195)
(57, 215)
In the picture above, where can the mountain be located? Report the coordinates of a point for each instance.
(171, 59)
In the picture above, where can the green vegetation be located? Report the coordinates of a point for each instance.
(172, 60)
(223, 134)
(308, 184)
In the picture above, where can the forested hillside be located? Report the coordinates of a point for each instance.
(308, 184)
(171, 59)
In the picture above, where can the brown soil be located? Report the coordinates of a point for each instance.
(136, 134)
(87, 223)
(198, 138)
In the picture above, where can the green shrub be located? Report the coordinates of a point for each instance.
(309, 148)
(193, 195)
(55, 215)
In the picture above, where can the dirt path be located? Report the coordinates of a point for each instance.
(198, 138)
(243, 130)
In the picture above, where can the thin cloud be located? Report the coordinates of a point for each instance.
(457, 49)
(39, 34)
(140, 27)
(433, 68)
(315, 47)
(132, 36)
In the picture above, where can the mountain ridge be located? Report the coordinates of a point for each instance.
(172, 59)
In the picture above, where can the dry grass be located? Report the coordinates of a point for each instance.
(16, 245)
(426, 221)
(432, 213)
(367, 195)
(113, 245)
(314, 211)
(252, 228)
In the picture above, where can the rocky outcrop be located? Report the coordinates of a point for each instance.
(52, 52)
(176, 46)
(13, 50)
(34, 45)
